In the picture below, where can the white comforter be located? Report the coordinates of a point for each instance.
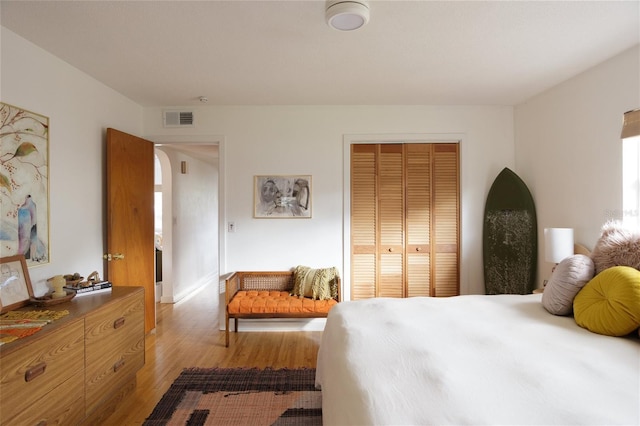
(472, 360)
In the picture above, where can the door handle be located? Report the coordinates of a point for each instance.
(116, 256)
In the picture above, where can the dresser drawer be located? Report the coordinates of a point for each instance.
(114, 344)
(62, 406)
(43, 376)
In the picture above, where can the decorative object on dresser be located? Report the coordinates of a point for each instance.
(58, 282)
(72, 280)
(18, 324)
(15, 283)
(76, 369)
(104, 285)
(49, 299)
(93, 283)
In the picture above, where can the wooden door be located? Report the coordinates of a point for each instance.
(418, 214)
(130, 227)
(391, 221)
(446, 220)
(404, 220)
(364, 211)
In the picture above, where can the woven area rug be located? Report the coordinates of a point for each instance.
(236, 396)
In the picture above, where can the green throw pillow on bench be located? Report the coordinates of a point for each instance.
(315, 283)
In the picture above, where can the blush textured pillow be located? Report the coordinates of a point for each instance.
(617, 246)
(610, 303)
(566, 281)
(315, 283)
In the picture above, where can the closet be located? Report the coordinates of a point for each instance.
(405, 220)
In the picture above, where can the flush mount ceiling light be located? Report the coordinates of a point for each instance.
(347, 15)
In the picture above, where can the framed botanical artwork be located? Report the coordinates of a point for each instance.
(15, 284)
(24, 184)
(282, 196)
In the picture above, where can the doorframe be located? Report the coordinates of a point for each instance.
(399, 138)
(218, 140)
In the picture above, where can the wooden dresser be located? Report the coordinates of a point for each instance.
(78, 368)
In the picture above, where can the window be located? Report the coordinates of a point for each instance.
(631, 169)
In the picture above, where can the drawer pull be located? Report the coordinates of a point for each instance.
(118, 323)
(35, 371)
(118, 365)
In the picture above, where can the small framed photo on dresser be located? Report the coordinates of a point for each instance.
(15, 284)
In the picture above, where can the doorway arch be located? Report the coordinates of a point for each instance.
(166, 188)
(190, 151)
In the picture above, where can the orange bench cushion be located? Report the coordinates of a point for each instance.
(276, 302)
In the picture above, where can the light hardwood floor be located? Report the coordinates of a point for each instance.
(187, 335)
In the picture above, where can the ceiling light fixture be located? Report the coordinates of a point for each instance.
(347, 15)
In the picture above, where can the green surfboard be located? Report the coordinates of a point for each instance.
(510, 237)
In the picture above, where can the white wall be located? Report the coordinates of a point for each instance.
(257, 140)
(309, 140)
(79, 109)
(568, 148)
(193, 218)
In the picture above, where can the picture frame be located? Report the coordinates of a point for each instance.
(15, 284)
(282, 196)
(24, 184)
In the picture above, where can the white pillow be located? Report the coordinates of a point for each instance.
(566, 281)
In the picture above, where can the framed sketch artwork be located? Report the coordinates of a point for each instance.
(24, 184)
(279, 196)
(15, 284)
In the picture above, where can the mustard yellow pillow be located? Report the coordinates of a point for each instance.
(315, 283)
(610, 303)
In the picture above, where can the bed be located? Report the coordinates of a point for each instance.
(472, 360)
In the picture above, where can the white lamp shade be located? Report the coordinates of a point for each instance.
(347, 15)
(558, 244)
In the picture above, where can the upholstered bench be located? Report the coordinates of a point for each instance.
(273, 294)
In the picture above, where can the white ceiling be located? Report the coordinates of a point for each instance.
(169, 53)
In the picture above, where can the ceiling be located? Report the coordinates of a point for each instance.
(169, 53)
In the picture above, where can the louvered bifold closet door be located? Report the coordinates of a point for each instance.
(391, 221)
(404, 220)
(363, 221)
(446, 220)
(418, 219)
